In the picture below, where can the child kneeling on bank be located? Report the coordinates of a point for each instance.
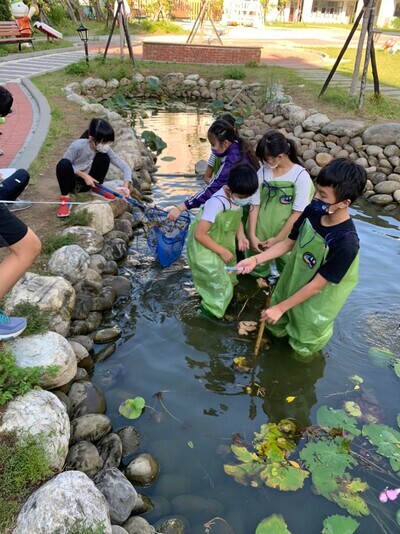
(212, 240)
(322, 269)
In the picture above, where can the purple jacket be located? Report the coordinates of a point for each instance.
(232, 157)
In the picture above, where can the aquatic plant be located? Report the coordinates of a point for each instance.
(153, 141)
(132, 408)
(334, 524)
(387, 441)
(274, 523)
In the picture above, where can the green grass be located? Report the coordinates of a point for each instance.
(54, 242)
(38, 320)
(79, 218)
(23, 465)
(39, 45)
(15, 380)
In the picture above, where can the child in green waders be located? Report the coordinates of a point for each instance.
(285, 189)
(212, 240)
(322, 268)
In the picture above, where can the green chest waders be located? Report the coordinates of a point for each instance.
(276, 206)
(212, 282)
(309, 325)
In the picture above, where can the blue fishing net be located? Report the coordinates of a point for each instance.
(166, 238)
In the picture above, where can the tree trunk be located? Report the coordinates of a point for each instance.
(357, 64)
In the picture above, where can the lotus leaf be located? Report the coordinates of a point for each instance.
(387, 441)
(153, 141)
(339, 524)
(330, 418)
(353, 503)
(353, 409)
(132, 408)
(119, 99)
(330, 454)
(380, 356)
(284, 477)
(273, 524)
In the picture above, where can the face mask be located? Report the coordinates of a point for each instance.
(216, 153)
(103, 148)
(320, 206)
(240, 201)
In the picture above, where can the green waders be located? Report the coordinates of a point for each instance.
(212, 282)
(309, 325)
(276, 206)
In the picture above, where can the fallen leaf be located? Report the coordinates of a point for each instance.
(294, 464)
(356, 386)
(190, 443)
(244, 327)
(355, 379)
(290, 399)
(241, 364)
(261, 283)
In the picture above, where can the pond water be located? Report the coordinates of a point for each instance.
(169, 347)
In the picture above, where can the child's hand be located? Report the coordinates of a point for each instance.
(270, 242)
(124, 191)
(91, 182)
(246, 266)
(272, 315)
(174, 214)
(226, 255)
(243, 243)
(256, 244)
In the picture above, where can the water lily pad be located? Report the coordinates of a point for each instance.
(132, 408)
(339, 524)
(387, 441)
(355, 379)
(153, 141)
(380, 356)
(243, 454)
(396, 368)
(119, 99)
(330, 418)
(353, 409)
(283, 477)
(273, 524)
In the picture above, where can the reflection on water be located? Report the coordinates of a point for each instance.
(169, 347)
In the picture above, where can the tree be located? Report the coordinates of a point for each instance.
(5, 13)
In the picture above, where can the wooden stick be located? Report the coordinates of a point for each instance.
(262, 324)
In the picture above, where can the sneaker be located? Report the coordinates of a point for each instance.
(97, 192)
(19, 205)
(64, 208)
(11, 327)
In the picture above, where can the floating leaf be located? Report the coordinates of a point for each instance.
(398, 420)
(290, 399)
(330, 418)
(241, 364)
(294, 464)
(243, 454)
(243, 473)
(119, 99)
(339, 524)
(398, 517)
(356, 387)
(273, 524)
(355, 379)
(331, 454)
(217, 105)
(132, 408)
(244, 327)
(352, 408)
(396, 368)
(153, 141)
(283, 477)
(190, 443)
(387, 441)
(354, 504)
(380, 356)
(168, 158)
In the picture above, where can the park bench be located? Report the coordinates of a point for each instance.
(138, 14)
(10, 34)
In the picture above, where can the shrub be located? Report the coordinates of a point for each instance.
(38, 320)
(234, 73)
(5, 13)
(15, 380)
(79, 218)
(79, 68)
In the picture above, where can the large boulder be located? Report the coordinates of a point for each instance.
(119, 493)
(90, 427)
(85, 457)
(382, 134)
(86, 398)
(50, 351)
(101, 214)
(41, 413)
(344, 127)
(68, 501)
(49, 293)
(71, 262)
(86, 237)
(315, 122)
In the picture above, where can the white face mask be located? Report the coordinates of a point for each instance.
(103, 148)
(241, 201)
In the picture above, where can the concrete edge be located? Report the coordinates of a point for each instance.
(28, 153)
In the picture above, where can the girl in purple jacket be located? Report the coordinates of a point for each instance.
(232, 149)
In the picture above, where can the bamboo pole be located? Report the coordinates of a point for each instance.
(262, 324)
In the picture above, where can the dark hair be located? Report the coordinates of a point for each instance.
(274, 143)
(346, 177)
(242, 180)
(6, 101)
(100, 130)
(227, 117)
(224, 131)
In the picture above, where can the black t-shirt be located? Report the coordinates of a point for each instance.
(342, 240)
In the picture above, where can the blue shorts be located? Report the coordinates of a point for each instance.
(12, 230)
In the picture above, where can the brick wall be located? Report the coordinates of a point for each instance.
(189, 53)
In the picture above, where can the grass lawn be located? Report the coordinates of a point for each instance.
(39, 45)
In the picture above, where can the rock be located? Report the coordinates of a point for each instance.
(83, 306)
(119, 493)
(381, 200)
(68, 500)
(138, 525)
(83, 358)
(215, 84)
(49, 293)
(81, 374)
(102, 218)
(97, 263)
(120, 284)
(107, 334)
(377, 177)
(315, 122)
(373, 150)
(110, 450)
(394, 177)
(93, 321)
(50, 351)
(138, 77)
(105, 352)
(323, 159)
(143, 470)
(124, 226)
(91, 83)
(83, 457)
(143, 505)
(115, 249)
(173, 525)
(118, 234)
(86, 398)
(170, 485)
(381, 134)
(86, 237)
(363, 162)
(200, 166)
(111, 268)
(396, 196)
(90, 427)
(40, 413)
(388, 187)
(196, 506)
(116, 529)
(71, 262)
(344, 127)
(63, 397)
(130, 439)
(85, 341)
(94, 278)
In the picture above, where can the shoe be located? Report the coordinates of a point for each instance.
(64, 208)
(11, 327)
(19, 205)
(97, 192)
